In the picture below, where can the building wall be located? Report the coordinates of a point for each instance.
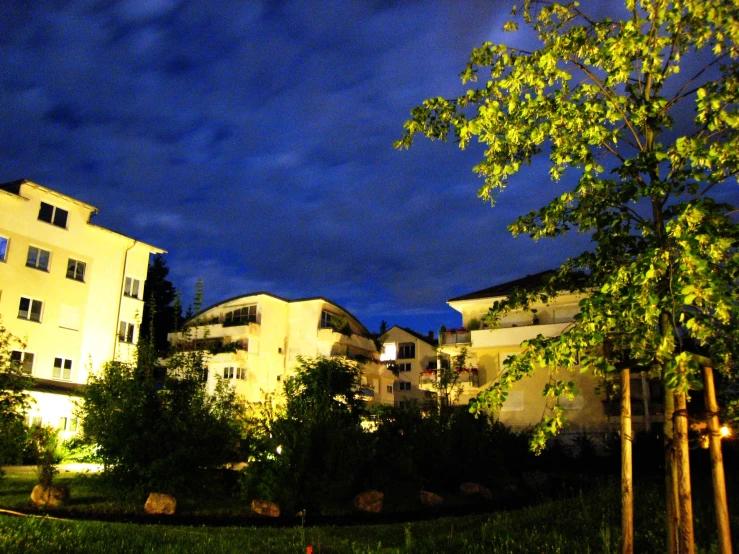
(425, 355)
(283, 331)
(79, 318)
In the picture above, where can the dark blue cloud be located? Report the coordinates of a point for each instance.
(253, 140)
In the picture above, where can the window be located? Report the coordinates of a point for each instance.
(404, 385)
(390, 389)
(30, 309)
(62, 368)
(3, 248)
(62, 424)
(241, 373)
(242, 316)
(23, 359)
(131, 288)
(125, 332)
(52, 214)
(76, 270)
(228, 372)
(406, 350)
(327, 320)
(403, 367)
(38, 258)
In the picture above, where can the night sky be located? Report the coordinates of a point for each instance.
(253, 141)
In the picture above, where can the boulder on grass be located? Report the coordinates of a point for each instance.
(160, 503)
(475, 489)
(369, 501)
(431, 499)
(49, 496)
(265, 508)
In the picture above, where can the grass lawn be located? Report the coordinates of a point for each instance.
(587, 522)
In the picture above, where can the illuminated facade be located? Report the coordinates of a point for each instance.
(412, 354)
(71, 290)
(255, 341)
(489, 347)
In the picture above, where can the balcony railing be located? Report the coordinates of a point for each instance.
(455, 336)
(466, 375)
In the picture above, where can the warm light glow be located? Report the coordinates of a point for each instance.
(279, 449)
(725, 431)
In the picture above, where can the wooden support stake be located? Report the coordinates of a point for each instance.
(627, 483)
(686, 537)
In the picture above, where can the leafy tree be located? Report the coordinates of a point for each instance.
(14, 398)
(157, 428)
(609, 102)
(162, 311)
(311, 448)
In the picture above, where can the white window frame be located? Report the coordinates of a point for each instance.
(241, 373)
(22, 355)
(132, 287)
(36, 264)
(29, 312)
(74, 270)
(405, 366)
(4, 247)
(55, 211)
(404, 385)
(64, 368)
(127, 332)
(229, 372)
(402, 347)
(327, 319)
(241, 316)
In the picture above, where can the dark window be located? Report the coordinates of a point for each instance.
(62, 368)
(76, 270)
(404, 367)
(51, 214)
(242, 316)
(30, 309)
(406, 350)
(404, 385)
(24, 359)
(3, 248)
(131, 287)
(125, 332)
(38, 258)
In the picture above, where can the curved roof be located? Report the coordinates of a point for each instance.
(363, 329)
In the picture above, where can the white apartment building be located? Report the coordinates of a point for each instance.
(412, 355)
(255, 341)
(70, 290)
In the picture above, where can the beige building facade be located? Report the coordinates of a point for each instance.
(255, 341)
(71, 290)
(488, 348)
(411, 354)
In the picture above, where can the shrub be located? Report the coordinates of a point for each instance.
(156, 433)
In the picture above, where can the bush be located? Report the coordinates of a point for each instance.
(310, 453)
(157, 433)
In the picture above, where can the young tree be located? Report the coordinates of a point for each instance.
(14, 398)
(162, 311)
(156, 429)
(642, 109)
(312, 448)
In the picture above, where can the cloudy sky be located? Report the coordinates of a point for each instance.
(253, 141)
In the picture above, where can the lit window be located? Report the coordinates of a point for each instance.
(406, 350)
(62, 368)
(4, 248)
(242, 316)
(126, 331)
(76, 270)
(30, 309)
(404, 385)
(404, 367)
(131, 288)
(24, 360)
(38, 258)
(52, 214)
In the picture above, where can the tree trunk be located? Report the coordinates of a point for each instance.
(627, 483)
(673, 510)
(717, 463)
(686, 541)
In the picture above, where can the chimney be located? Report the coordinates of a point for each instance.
(431, 336)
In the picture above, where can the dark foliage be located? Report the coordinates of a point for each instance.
(161, 310)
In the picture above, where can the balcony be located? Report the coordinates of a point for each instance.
(508, 336)
(452, 337)
(214, 345)
(467, 377)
